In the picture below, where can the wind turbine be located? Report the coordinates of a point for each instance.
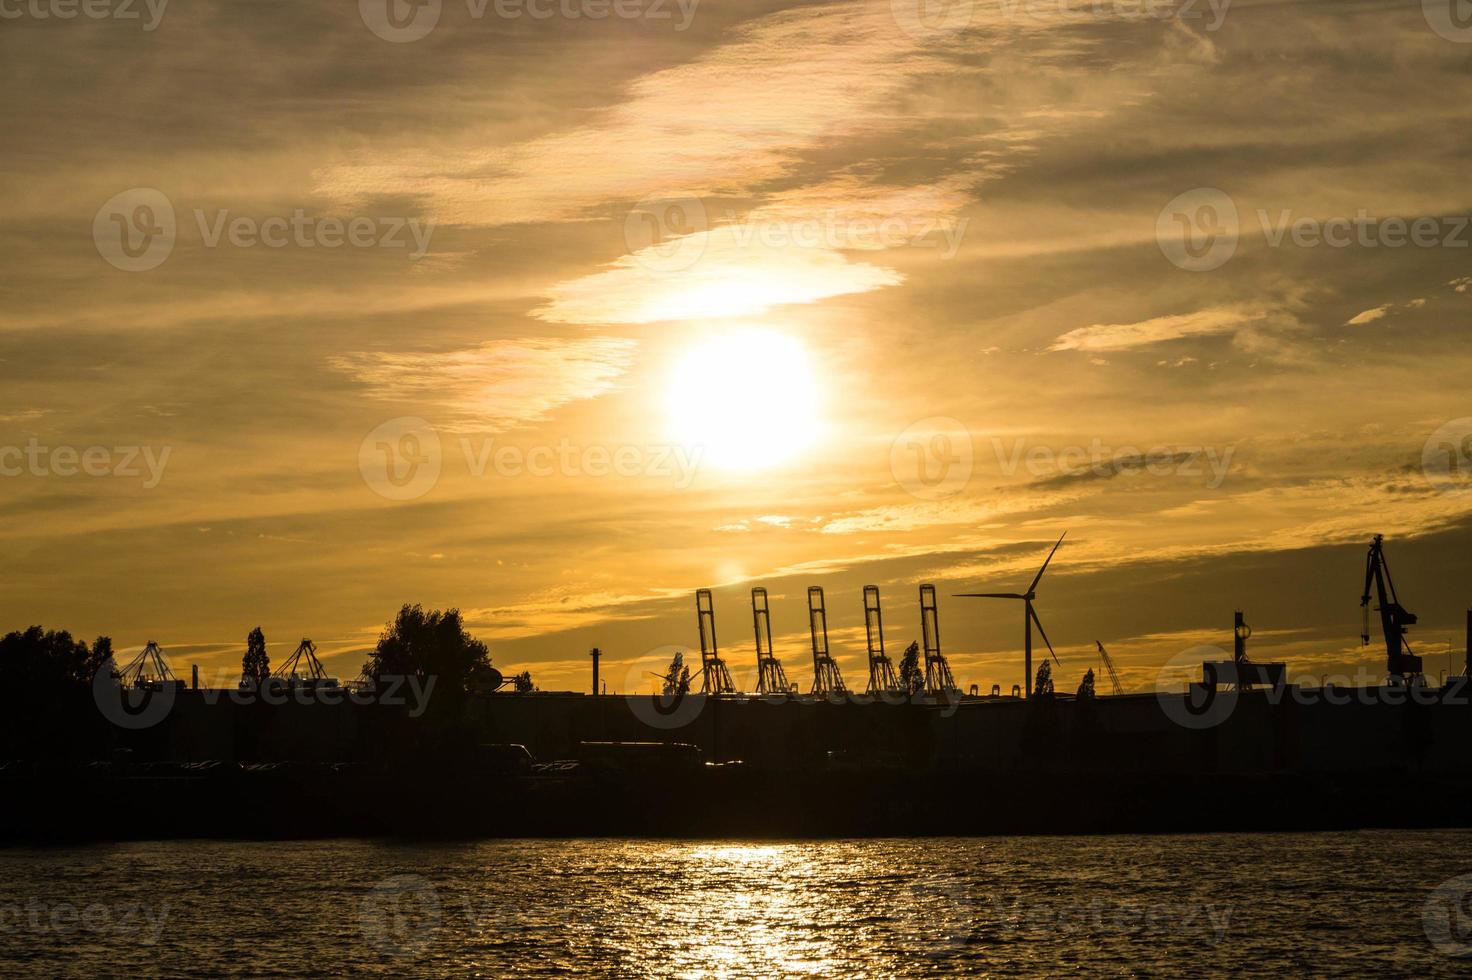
(1029, 615)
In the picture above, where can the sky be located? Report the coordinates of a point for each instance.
(554, 311)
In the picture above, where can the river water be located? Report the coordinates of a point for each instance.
(1343, 903)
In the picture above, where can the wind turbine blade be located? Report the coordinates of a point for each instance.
(1039, 576)
(1039, 624)
(988, 595)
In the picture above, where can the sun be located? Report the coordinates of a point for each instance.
(747, 398)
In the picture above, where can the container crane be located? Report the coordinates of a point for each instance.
(826, 678)
(715, 677)
(882, 679)
(770, 677)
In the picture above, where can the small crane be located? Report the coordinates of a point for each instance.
(1401, 664)
(1109, 667)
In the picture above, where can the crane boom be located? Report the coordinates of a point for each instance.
(1109, 666)
(1400, 662)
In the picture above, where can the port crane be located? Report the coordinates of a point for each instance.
(148, 669)
(715, 678)
(826, 678)
(303, 665)
(770, 677)
(938, 679)
(1109, 668)
(882, 679)
(1401, 665)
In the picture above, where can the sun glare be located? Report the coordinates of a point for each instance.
(748, 398)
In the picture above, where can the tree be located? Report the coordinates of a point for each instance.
(1086, 689)
(523, 682)
(50, 660)
(1042, 687)
(428, 644)
(677, 678)
(52, 714)
(255, 666)
(912, 675)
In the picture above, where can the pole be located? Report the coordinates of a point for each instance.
(1027, 647)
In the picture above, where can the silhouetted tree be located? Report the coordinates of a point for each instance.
(1042, 686)
(51, 713)
(255, 666)
(677, 678)
(1086, 689)
(523, 682)
(428, 644)
(50, 659)
(912, 674)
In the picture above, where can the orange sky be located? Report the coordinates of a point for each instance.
(557, 320)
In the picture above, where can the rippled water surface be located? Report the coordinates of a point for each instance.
(1331, 903)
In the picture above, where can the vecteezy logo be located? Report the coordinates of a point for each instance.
(401, 915)
(1446, 458)
(666, 234)
(1446, 917)
(1199, 707)
(133, 708)
(134, 230)
(944, 912)
(933, 458)
(927, 19)
(401, 459)
(400, 21)
(1450, 19)
(1198, 230)
(663, 711)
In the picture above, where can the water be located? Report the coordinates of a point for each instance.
(1356, 903)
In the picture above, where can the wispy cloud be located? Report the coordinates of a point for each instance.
(498, 385)
(1128, 336)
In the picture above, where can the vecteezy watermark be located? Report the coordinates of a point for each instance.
(127, 462)
(1446, 917)
(835, 229)
(1199, 707)
(402, 21)
(1100, 918)
(402, 459)
(136, 707)
(567, 458)
(1097, 459)
(931, 19)
(1200, 230)
(133, 707)
(134, 231)
(1446, 458)
(138, 921)
(137, 230)
(148, 13)
(1450, 19)
(1197, 230)
(668, 234)
(1206, 705)
(400, 916)
(933, 458)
